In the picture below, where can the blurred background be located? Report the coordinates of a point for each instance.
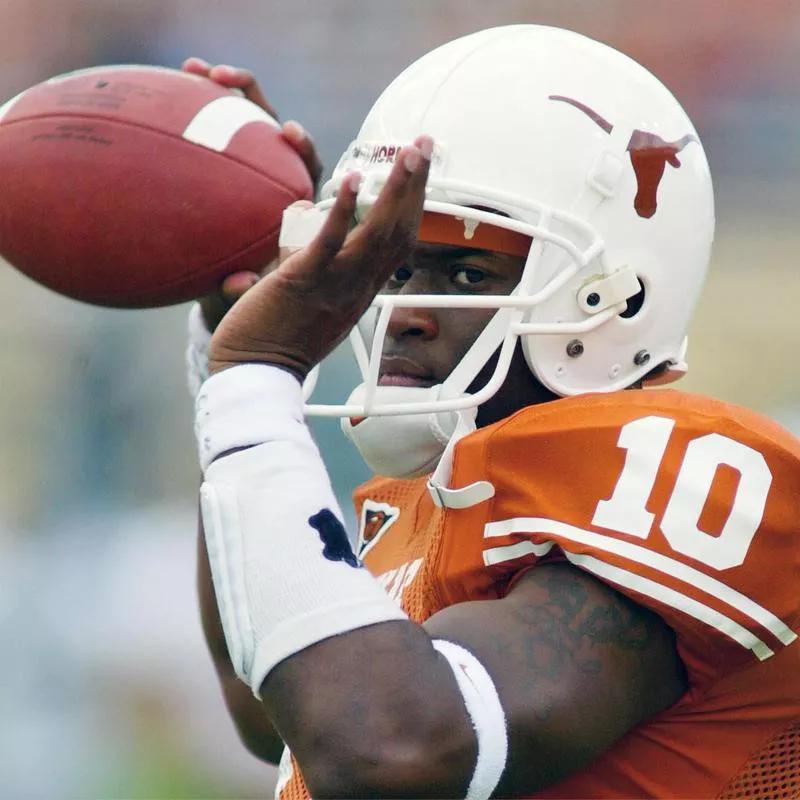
(105, 686)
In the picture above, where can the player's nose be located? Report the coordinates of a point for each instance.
(411, 322)
(420, 323)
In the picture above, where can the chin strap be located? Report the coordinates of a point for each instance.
(438, 484)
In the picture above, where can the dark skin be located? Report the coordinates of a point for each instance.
(576, 664)
(437, 339)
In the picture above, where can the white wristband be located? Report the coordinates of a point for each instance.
(487, 715)
(284, 573)
(247, 405)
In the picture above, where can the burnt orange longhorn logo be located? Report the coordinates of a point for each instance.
(376, 519)
(373, 523)
(649, 153)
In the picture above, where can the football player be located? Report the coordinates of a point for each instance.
(566, 583)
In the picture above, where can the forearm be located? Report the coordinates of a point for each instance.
(375, 712)
(248, 714)
(300, 610)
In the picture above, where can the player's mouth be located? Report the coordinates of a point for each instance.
(401, 371)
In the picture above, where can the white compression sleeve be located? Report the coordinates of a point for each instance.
(284, 574)
(197, 344)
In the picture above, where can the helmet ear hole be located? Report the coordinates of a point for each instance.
(635, 302)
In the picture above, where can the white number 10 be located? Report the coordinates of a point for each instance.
(645, 441)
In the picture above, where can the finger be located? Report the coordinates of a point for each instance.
(196, 66)
(421, 169)
(235, 77)
(214, 306)
(389, 233)
(419, 179)
(235, 285)
(299, 139)
(404, 191)
(239, 78)
(252, 91)
(391, 224)
(324, 247)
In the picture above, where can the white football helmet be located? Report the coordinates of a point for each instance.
(598, 177)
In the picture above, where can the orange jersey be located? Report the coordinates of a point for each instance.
(688, 505)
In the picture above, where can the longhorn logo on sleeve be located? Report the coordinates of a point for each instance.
(376, 519)
(336, 545)
(649, 154)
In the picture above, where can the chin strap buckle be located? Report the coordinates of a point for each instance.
(467, 496)
(441, 494)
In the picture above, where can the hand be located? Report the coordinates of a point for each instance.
(298, 313)
(216, 305)
(244, 80)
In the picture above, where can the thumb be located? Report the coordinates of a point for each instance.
(235, 285)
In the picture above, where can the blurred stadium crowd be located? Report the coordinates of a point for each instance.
(106, 689)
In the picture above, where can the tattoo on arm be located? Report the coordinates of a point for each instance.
(568, 622)
(617, 625)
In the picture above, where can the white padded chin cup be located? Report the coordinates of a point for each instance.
(405, 445)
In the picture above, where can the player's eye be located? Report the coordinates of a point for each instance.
(468, 276)
(399, 277)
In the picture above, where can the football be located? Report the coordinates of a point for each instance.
(141, 186)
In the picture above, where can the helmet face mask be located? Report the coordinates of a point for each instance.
(572, 148)
(508, 324)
